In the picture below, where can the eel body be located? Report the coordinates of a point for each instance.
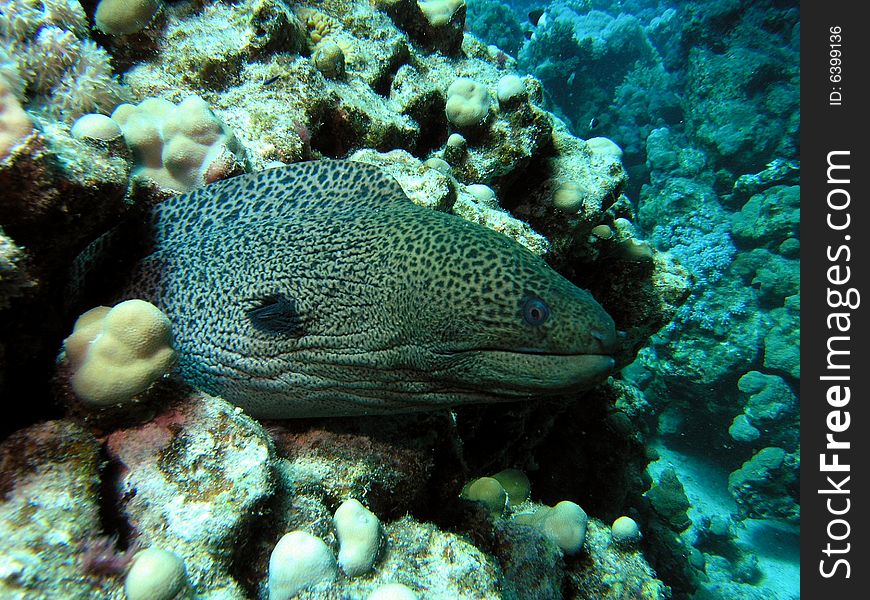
(320, 289)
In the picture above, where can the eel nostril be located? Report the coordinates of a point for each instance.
(608, 339)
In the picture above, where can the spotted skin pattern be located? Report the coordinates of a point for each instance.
(320, 289)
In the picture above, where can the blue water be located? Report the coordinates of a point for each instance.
(703, 99)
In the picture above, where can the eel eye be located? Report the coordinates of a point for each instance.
(535, 311)
(276, 314)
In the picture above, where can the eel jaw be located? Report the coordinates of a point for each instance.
(519, 374)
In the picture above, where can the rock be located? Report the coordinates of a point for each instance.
(193, 481)
(50, 510)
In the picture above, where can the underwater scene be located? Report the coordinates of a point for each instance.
(399, 299)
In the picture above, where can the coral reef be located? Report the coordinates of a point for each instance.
(702, 97)
(766, 485)
(660, 165)
(52, 469)
(56, 69)
(206, 485)
(497, 24)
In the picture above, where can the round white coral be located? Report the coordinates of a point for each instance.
(359, 537)
(299, 562)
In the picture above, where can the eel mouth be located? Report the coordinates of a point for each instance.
(523, 372)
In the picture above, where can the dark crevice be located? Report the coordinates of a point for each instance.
(255, 543)
(113, 522)
(433, 131)
(335, 135)
(384, 81)
(534, 175)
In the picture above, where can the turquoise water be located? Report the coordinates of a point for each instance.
(703, 99)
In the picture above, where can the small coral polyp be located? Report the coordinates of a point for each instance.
(118, 17)
(467, 103)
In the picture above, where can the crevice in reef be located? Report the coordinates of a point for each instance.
(250, 558)
(384, 82)
(433, 130)
(336, 126)
(112, 520)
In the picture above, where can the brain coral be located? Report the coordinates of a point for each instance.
(116, 353)
(318, 24)
(467, 103)
(178, 147)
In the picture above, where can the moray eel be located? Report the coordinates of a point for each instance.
(320, 289)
